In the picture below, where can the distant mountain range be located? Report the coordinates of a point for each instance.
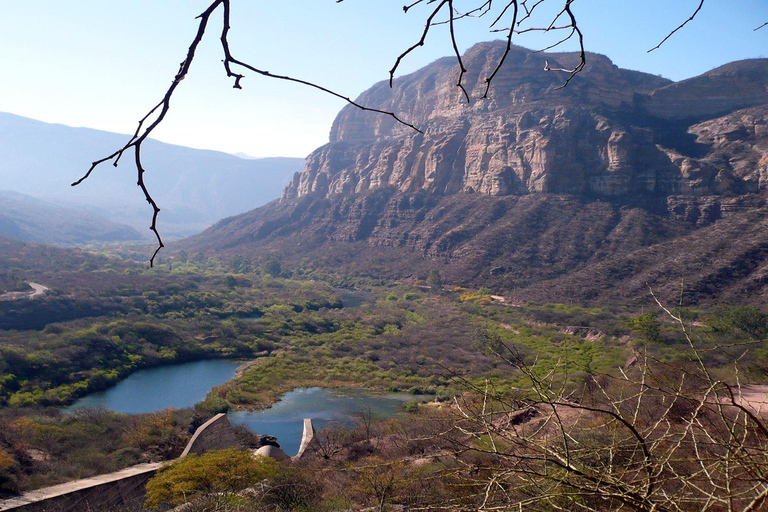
(194, 188)
(32, 220)
(586, 192)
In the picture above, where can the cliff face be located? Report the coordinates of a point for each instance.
(610, 132)
(584, 192)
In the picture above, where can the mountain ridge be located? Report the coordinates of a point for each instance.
(193, 187)
(31, 220)
(539, 184)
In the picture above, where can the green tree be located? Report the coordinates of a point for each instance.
(435, 281)
(747, 319)
(221, 472)
(647, 326)
(271, 267)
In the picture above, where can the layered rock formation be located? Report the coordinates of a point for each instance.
(585, 189)
(610, 132)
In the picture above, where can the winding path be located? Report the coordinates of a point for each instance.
(37, 291)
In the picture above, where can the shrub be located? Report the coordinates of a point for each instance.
(646, 326)
(195, 476)
(410, 406)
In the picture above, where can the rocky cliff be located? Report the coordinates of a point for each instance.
(548, 191)
(610, 132)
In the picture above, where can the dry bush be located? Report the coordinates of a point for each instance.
(655, 437)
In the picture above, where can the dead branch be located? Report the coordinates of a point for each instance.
(690, 19)
(158, 113)
(650, 438)
(514, 27)
(517, 25)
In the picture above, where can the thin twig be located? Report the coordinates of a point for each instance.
(148, 123)
(690, 18)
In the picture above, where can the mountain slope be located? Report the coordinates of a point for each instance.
(549, 193)
(194, 188)
(28, 219)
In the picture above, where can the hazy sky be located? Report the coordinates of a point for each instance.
(103, 64)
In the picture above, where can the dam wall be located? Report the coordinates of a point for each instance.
(128, 486)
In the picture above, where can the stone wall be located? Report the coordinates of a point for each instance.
(128, 487)
(125, 487)
(214, 434)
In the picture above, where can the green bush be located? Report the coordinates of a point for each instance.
(747, 319)
(411, 407)
(214, 403)
(216, 472)
(646, 326)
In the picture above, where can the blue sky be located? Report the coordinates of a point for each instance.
(103, 64)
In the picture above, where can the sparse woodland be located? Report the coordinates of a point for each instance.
(542, 405)
(529, 406)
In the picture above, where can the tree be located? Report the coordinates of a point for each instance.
(647, 326)
(435, 281)
(378, 479)
(271, 267)
(512, 18)
(748, 319)
(220, 472)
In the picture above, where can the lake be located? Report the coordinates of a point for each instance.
(285, 419)
(154, 389)
(184, 385)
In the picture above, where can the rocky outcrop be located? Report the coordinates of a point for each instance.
(609, 133)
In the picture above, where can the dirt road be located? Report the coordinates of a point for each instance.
(37, 291)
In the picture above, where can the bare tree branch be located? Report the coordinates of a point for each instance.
(518, 25)
(507, 49)
(427, 25)
(148, 123)
(514, 27)
(690, 19)
(141, 133)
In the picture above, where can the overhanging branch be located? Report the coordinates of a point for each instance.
(158, 113)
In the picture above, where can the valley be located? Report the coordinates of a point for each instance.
(430, 339)
(571, 281)
(39, 161)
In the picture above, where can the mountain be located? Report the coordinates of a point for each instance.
(29, 219)
(584, 192)
(194, 188)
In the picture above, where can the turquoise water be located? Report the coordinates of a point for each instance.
(154, 389)
(285, 419)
